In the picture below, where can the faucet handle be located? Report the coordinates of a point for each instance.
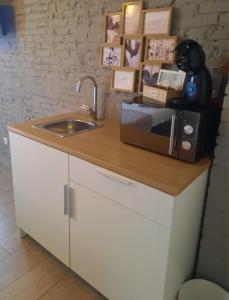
(89, 110)
(86, 107)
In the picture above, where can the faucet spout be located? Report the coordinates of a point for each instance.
(78, 88)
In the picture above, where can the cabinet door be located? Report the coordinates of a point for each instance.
(39, 175)
(119, 252)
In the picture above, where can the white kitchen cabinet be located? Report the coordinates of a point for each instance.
(39, 175)
(128, 240)
(121, 253)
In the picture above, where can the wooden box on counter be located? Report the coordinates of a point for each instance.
(160, 94)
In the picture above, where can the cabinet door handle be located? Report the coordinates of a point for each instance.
(66, 200)
(70, 206)
(114, 177)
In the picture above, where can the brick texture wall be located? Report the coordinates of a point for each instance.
(58, 42)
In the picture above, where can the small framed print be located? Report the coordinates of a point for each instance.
(111, 56)
(160, 49)
(123, 80)
(131, 17)
(156, 21)
(132, 51)
(112, 28)
(171, 79)
(148, 75)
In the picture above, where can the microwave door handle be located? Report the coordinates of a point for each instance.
(171, 140)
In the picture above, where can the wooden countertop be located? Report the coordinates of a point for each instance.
(103, 147)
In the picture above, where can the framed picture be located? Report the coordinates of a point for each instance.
(123, 80)
(131, 17)
(156, 21)
(148, 75)
(112, 28)
(132, 52)
(160, 49)
(111, 56)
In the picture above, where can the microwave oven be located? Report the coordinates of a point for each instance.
(185, 133)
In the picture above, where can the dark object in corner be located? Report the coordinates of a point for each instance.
(7, 28)
(2, 22)
(190, 58)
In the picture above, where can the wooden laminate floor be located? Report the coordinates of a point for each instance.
(28, 271)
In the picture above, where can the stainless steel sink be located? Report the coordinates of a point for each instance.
(68, 127)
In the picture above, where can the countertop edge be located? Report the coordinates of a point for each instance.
(173, 191)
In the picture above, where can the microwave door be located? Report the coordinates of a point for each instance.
(153, 128)
(163, 131)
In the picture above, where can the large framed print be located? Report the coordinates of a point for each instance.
(111, 56)
(160, 49)
(123, 80)
(112, 28)
(148, 75)
(132, 51)
(131, 17)
(156, 21)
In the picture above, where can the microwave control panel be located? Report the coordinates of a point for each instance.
(189, 135)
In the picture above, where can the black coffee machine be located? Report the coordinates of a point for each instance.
(197, 89)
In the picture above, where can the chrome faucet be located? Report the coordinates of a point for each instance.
(93, 110)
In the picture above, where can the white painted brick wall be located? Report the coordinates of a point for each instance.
(58, 42)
